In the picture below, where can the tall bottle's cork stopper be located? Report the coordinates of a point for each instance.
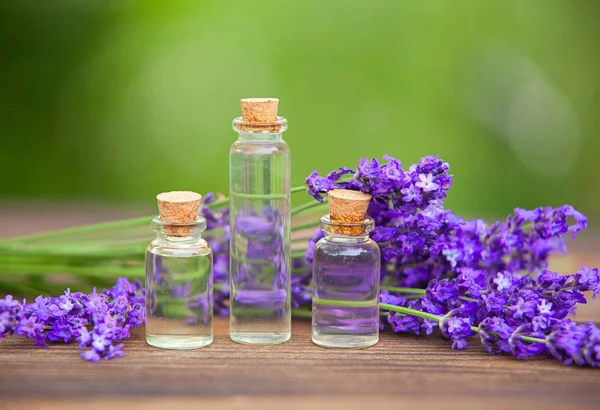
(259, 111)
(178, 207)
(348, 207)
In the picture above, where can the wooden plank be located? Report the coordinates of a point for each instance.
(414, 402)
(399, 366)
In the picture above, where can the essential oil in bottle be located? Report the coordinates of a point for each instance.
(345, 310)
(259, 191)
(179, 279)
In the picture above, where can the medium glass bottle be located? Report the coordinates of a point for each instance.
(345, 312)
(259, 173)
(179, 283)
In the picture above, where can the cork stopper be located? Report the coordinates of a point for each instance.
(178, 207)
(349, 207)
(260, 111)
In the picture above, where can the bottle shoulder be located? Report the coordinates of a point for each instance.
(252, 148)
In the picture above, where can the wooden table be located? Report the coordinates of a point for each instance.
(402, 371)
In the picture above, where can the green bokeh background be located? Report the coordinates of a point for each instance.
(116, 101)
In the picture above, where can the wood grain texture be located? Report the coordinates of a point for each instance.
(401, 371)
(399, 368)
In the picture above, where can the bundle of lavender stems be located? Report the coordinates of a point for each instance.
(471, 279)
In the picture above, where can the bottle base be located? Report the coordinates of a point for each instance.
(178, 342)
(345, 341)
(260, 338)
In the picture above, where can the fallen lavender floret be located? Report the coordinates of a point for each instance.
(98, 321)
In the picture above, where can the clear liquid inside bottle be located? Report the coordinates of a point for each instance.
(260, 303)
(345, 311)
(179, 290)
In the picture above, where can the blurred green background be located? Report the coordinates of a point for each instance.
(115, 101)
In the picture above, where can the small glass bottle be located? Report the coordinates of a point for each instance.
(259, 176)
(179, 278)
(345, 310)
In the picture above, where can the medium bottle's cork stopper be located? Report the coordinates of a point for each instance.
(347, 206)
(260, 111)
(178, 207)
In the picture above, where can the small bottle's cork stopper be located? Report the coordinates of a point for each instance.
(178, 207)
(260, 111)
(347, 206)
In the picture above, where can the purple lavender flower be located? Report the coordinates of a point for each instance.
(522, 308)
(426, 183)
(84, 337)
(121, 304)
(91, 355)
(523, 348)
(457, 329)
(30, 328)
(367, 169)
(301, 294)
(544, 307)
(571, 343)
(136, 315)
(114, 351)
(410, 193)
(318, 184)
(589, 277)
(10, 313)
(540, 323)
(503, 281)
(319, 234)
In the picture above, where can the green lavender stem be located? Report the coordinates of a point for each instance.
(333, 302)
(412, 312)
(404, 290)
(307, 225)
(439, 319)
(304, 207)
(418, 292)
(108, 271)
(107, 226)
(298, 253)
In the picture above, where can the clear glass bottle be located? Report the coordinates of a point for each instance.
(260, 302)
(179, 287)
(345, 310)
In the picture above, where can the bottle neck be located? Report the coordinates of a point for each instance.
(266, 133)
(260, 138)
(341, 238)
(175, 234)
(342, 232)
(188, 239)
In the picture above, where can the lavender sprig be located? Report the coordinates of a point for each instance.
(514, 314)
(421, 241)
(98, 321)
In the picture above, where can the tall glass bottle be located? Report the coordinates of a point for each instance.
(346, 274)
(259, 190)
(179, 279)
